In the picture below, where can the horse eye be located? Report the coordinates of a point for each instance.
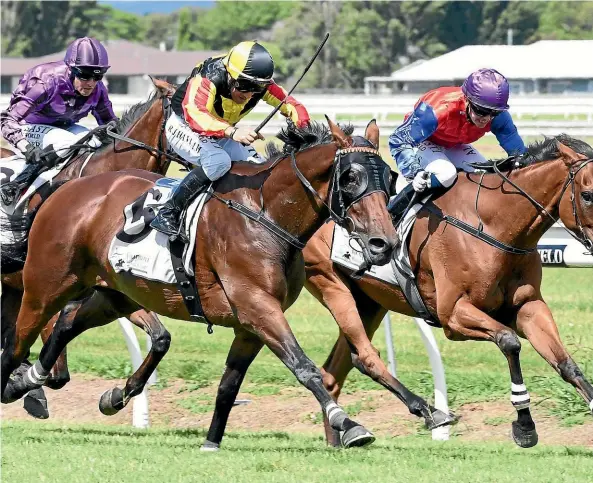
(587, 196)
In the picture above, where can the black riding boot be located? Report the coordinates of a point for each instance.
(10, 191)
(398, 205)
(167, 219)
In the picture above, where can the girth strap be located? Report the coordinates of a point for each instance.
(187, 285)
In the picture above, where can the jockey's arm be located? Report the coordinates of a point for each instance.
(23, 103)
(291, 108)
(418, 127)
(198, 107)
(103, 113)
(504, 129)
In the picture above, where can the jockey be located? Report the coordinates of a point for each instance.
(206, 108)
(433, 142)
(48, 102)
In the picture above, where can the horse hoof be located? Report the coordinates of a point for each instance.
(56, 383)
(112, 401)
(524, 439)
(36, 404)
(11, 393)
(357, 436)
(439, 418)
(209, 446)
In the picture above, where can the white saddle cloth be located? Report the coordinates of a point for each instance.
(144, 252)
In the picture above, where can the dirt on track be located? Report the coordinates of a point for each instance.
(294, 410)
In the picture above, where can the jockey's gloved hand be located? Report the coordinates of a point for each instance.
(245, 135)
(33, 155)
(421, 181)
(101, 132)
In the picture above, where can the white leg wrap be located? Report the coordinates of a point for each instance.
(333, 412)
(591, 405)
(519, 396)
(36, 375)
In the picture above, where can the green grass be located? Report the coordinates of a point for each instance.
(476, 371)
(94, 453)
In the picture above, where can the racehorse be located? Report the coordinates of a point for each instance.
(475, 290)
(143, 122)
(247, 273)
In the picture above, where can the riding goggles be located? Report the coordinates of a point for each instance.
(88, 73)
(246, 85)
(484, 111)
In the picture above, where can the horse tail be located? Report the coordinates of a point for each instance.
(14, 254)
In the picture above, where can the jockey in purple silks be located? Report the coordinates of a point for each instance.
(48, 102)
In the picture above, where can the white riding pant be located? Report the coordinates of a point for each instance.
(443, 162)
(213, 155)
(42, 135)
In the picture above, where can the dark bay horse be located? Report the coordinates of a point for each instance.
(476, 291)
(246, 276)
(142, 122)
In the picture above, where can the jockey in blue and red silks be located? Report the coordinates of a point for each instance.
(434, 140)
(48, 102)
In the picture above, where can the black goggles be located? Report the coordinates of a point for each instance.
(88, 74)
(484, 111)
(246, 85)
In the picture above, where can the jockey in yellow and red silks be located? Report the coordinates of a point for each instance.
(206, 108)
(434, 140)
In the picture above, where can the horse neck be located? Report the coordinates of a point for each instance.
(289, 203)
(146, 129)
(523, 224)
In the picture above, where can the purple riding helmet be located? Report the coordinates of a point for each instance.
(88, 53)
(487, 88)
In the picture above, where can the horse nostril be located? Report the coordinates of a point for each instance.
(378, 245)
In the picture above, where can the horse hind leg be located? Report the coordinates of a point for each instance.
(243, 351)
(115, 399)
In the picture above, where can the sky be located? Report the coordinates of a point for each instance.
(160, 6)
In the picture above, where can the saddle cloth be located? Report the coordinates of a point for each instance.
(144, 252)
(12, 166)
(348, 253)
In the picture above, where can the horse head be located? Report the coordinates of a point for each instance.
(576, 203)
(353, 185)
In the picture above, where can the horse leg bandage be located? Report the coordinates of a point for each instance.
(519, 396)
(36, 375)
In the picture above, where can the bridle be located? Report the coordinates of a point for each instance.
(340, 216)
(570, 181)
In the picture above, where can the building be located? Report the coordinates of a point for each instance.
(131, 64)
(544, 67)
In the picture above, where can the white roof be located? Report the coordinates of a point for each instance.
(546, 59)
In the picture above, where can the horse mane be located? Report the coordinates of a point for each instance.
(538, 152)
(129, 118)
(298, 139)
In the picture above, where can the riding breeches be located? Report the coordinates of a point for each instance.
(213, 155)
(42, 135)
(443, 162)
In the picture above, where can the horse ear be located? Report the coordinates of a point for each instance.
(338, 135)
(164, 88)
(569, 154)
(372, 133)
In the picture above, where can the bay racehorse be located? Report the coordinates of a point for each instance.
(246, 275)
(143, 122)
(475, 290)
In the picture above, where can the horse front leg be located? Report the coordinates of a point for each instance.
(536, 323)
(275, 332)
(358, 317)
(469, 322)
(115, 399)
(244, 349)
